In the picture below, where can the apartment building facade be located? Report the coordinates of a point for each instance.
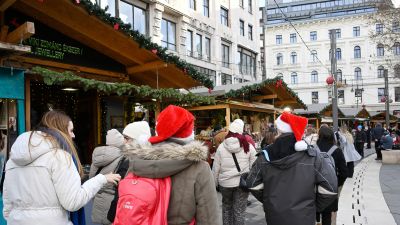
(300, 53)
(219, 37)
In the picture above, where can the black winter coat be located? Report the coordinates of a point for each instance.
(360, 137)
(377, 132)
(290, 179)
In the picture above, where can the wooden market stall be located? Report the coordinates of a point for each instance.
(257, 104)
(80, 41)
(380, 117)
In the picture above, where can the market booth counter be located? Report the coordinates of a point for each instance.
(257, 104)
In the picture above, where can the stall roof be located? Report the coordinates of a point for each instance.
(311, 109)
(381, 116)
(272, 91)
(253, 106)
(145, 62)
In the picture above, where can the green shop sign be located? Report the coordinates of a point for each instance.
(52, 49)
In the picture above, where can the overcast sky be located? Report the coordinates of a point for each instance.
(396, 3)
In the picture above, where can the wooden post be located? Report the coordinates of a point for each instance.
(98, 107)
(27, 103)
(157, 110)
(274, 116)
(317, 123)
(228, 116)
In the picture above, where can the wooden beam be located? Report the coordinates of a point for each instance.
(68, 66)
(146, 67)
(4, 4)
(285, 102)
(208, 107)
(3, 34)
(228, 117)
(262, 97)
(22, 33)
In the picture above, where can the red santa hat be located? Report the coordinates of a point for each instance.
(289, 123)
(174, 122)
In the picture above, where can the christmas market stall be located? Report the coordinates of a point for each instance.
(380, 117)
(257, 104)
(91, 65)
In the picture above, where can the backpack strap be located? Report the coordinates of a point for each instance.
(236, 162)
(266, 155)
(331, 150)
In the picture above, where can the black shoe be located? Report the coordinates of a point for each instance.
(378, 159)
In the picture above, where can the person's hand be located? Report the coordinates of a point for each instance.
(113, 178)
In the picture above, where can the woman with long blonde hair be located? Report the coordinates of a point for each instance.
(351, 155)
(43, 176)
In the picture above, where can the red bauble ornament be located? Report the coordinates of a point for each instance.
(77, 1)
(330, 80)
(209, 91)
(278, 83)
(383, 99)
(116, 26)
(154, 51)
(184, 71)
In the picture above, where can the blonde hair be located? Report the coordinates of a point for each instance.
(59, 121)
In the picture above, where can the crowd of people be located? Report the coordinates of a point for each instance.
(137, 178)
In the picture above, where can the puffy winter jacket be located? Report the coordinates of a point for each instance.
(193, 193)
(224, 168)
(105, 158)
(290, 180)
(42, 184)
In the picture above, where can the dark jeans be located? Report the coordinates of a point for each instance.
(326, 218)
(234, 203)
(360, 148)
(350, 169)
(378, 149)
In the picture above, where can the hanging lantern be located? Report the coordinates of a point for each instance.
(383, 99)
(330, 80)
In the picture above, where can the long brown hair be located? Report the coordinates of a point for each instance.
(58, 121)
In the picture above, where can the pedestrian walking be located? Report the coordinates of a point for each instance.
(43, 176)
(376, 134)
(326, 143)
(346, 143)
(368, 133)
(174, 153)
(291, 171)
(105, 159)
(360, 139)
(311, 136)
(269, 137)
(233, 157)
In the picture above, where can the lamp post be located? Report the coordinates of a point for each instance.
(333, 72)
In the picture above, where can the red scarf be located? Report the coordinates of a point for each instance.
(242, 139)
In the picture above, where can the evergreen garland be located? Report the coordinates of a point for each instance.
(166, 95)
(249, 89)
(145, 42)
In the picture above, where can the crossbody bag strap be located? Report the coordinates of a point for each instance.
(236, 162)
(331, 150)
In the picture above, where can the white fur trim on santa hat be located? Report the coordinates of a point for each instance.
(137, 130)
(282, 126)
(300, 146)
(186, 139)
(237, 126)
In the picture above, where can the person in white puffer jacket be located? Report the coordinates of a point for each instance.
(227, 174)
(42, 184)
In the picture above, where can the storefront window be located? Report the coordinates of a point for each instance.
(8, 128)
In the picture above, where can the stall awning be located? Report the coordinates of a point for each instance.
(145, 62)
(254, 107)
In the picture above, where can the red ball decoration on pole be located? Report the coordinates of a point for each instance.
(383, 99)
(330, 80)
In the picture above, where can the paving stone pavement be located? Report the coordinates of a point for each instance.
(254, 212)
(390, 184)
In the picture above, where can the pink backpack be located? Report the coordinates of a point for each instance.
(142, 201)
